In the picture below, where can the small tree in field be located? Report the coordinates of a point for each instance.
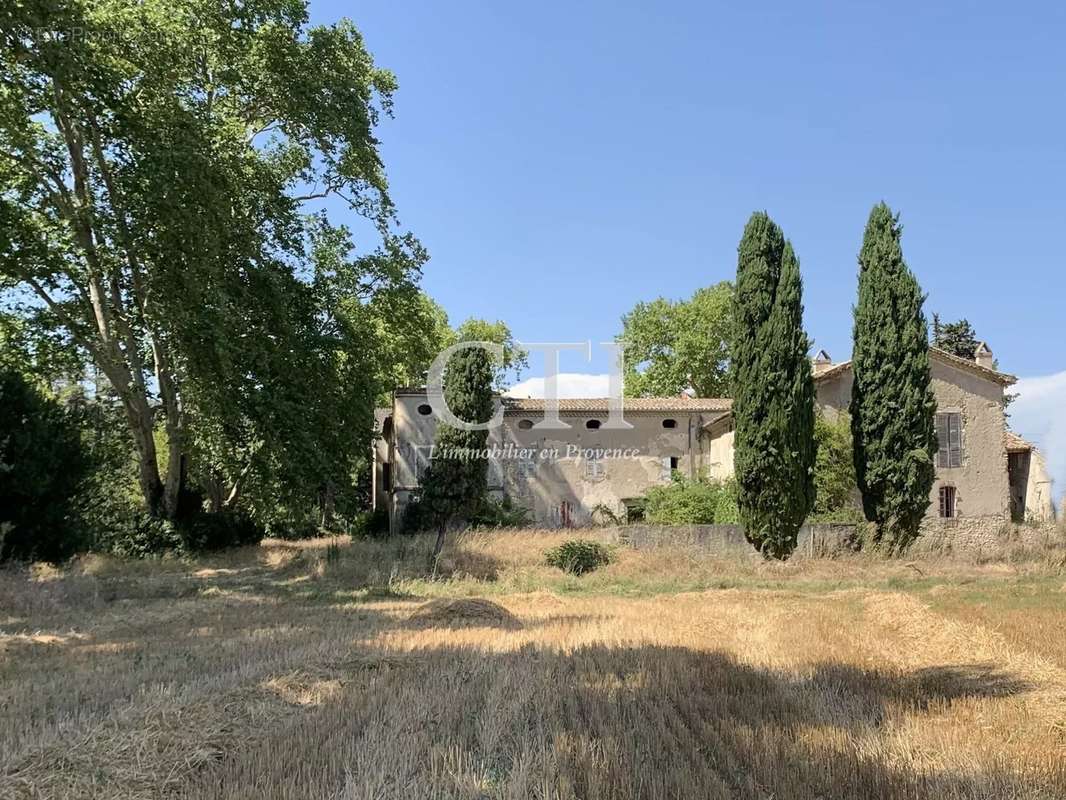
(892, 403)
(455, 481)
(773, 403)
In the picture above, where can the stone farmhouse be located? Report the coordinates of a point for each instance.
(589, 465)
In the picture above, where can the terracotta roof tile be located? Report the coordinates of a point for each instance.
(943, 356)
(635, 404)
(1015, 443)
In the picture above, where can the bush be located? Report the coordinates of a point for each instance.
(371, 524)
(42, 469)
(683, 502)
(727, 511)
(499, 514)
(137, 534)
(204, 531)
(578, 556)
(836, 490)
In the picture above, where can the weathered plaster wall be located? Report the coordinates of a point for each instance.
(981, 483)
(559, 485)
(1039, 506)
(548, 471)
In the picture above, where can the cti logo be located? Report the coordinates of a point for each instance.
(551, 350)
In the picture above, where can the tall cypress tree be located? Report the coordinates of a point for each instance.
(455, 480)
(773, 406)
(892, 404)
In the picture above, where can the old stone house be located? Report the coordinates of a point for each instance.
(590, 466)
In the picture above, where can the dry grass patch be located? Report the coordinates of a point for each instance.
(280, 672)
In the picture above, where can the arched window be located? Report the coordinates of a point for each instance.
(669, 423)
(525, 424)
(593, 424)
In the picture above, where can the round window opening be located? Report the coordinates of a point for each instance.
(593, 424)
(425, 409)
(525, 424)
(669, 423)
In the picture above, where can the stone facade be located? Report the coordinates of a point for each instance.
(564, 476)
(590, 469)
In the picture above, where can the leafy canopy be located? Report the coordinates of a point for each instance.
(157, 162)
(676, 346)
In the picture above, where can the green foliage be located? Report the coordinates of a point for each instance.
(371, 524)
(43, 467)
(504, 513)
(773, 405)
(204, 531)
(892, 404)
(958, 338)
(154, 175)
(727, 511)
(673, 346)
(683, 502)
(834, 471)
(454, 483)
(138, 534)
(514, 358)
(579, 556)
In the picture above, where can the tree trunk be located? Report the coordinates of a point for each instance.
(139, 416)
(442, 530)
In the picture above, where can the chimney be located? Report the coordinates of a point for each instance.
(984, 357)
(821, 362)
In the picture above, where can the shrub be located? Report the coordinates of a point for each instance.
(499, 514)
(836, 490)
(205, 531)
(683, 502)
(727, 512)
(42, 469)
(137, 534)
(371, 524)
(578, 556)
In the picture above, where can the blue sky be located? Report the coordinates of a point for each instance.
(563, 161)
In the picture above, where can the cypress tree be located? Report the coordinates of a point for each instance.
(455, 480)
(773, 406)
(892, 404)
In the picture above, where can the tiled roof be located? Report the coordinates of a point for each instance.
(943, 356)
(1015, 443)
(599, 404)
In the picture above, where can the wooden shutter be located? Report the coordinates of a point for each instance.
(955, 440)
(942, 440)
(949, 440)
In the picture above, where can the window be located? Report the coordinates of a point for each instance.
(522, 477)
(595, 469)
(525, 424)
(947, 502)
(669, 423)
(949, 440)
(425, 409)
(593, 424)
(423, 455)
(669, 464)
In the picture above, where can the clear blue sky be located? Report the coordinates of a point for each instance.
(562, 161)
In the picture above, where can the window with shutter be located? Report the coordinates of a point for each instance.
(949, 440)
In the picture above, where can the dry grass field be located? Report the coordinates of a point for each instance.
(302, 670)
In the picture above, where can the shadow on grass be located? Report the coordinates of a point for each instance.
(618, 722)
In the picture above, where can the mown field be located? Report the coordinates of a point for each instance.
(304, 670)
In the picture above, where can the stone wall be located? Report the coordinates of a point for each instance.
(813, 540)
(984, 535)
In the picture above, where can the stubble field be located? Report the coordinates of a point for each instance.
(303, 670)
